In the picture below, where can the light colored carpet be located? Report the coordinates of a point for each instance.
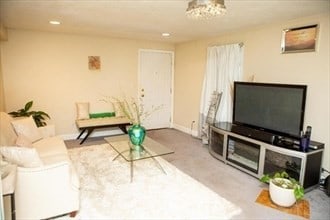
(193, 158)
(107, 193)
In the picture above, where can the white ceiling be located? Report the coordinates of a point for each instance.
(147, 19)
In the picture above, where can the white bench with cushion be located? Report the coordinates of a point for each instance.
(87, 121)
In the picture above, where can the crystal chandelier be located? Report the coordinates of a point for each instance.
(205, 9)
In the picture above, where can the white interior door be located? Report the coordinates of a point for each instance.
(155, 87)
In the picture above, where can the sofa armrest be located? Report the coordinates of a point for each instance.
(51, 173)
(47, 191)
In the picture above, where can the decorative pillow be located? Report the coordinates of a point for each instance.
(28, 128)
(118, 110)
(102, 115)
(23, 141)
(22, 156)
(82, 110)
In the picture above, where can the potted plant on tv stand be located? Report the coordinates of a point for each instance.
(283, 190)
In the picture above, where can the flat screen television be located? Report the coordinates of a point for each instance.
(275, 108)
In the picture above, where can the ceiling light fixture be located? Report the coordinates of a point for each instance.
(205, 9)
(166, 34)
(54, 22)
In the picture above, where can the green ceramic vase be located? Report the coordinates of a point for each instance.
(136, 135)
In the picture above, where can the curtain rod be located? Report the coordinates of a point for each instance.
(241, 44)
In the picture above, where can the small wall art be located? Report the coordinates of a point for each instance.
(94, 62)
(300, 39)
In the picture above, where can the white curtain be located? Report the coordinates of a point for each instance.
(223, 67)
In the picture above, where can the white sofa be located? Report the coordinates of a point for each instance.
(49, 189)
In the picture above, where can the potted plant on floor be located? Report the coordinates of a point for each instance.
(283, 189)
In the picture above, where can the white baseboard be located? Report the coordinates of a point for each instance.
(109, 132)
(95, 133)
(185, 130)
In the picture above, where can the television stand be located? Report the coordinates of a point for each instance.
(257, 157)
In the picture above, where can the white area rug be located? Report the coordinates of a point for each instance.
(107, 193)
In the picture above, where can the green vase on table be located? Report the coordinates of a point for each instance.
(136, 135)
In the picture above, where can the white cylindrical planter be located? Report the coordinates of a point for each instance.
(281, 196)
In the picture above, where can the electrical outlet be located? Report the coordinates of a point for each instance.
(191, 127)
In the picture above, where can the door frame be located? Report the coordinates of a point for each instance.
(172, 77)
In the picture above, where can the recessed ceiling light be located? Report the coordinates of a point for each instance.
(54, 22)
(166, 34)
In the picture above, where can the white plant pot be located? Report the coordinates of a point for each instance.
(281, 196)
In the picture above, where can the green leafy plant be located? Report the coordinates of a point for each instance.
(38, 116)
(277, 179)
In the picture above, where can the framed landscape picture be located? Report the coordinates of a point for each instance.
(300, 39)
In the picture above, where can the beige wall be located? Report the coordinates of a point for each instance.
(3, 37)
(52, 70)
(2, 94)
(264, 60)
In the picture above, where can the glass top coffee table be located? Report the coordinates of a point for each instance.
(150, 149)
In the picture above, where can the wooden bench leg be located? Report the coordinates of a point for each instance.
(89, 131)
(81, 133)
(123, 128)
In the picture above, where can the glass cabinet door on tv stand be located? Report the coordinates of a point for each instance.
(275, 161)
(303, 166)
(217, 141)
(243, 154)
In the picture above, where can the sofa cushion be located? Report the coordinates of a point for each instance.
(50, 146)
(23, 141)
(56, 158)
(27, 127)
(7, 134)
(22, 156)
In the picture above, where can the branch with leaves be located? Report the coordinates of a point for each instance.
(131, 109)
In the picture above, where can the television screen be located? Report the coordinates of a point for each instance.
(277, 108)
